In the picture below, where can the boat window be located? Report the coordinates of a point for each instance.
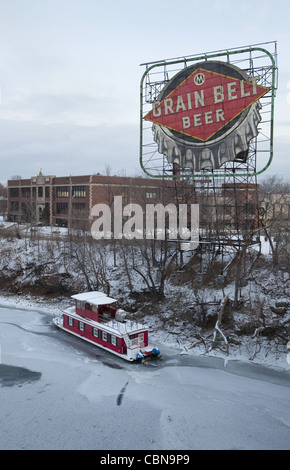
(141, 337)
(114, 340)
(70, 321)
(81, 326)
(80, 305)
(96, 332)
(104, 336)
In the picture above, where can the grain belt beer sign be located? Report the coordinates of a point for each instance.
(206, 115)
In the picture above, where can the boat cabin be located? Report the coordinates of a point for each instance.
(96, 306)
(96, 319)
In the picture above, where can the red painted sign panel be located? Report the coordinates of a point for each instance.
(205, 102)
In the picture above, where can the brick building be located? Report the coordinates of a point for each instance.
(67, 201)
(241, 203)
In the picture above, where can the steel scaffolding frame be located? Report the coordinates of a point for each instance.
(227, 196)
(255, 60)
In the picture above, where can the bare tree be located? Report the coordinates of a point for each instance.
(274, 216)
(88, 257)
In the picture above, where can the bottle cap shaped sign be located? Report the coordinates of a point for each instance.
(206, 115)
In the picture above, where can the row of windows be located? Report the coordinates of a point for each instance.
(61, 191)
(78, 208)
(25, 207)
(151, 195)
(62, 208)
(26, 191)
(77, 191)
(96, 332)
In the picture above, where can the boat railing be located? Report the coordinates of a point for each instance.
(71, 309)
(126, 327)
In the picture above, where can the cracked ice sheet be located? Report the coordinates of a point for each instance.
(194, 408)
(74, 404)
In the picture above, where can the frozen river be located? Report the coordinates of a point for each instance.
(60, 393)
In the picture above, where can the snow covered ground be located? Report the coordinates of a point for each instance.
(48, 267)
(60, 393)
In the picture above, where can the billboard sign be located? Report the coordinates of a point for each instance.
(206, 115)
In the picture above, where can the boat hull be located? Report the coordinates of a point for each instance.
(131, 355)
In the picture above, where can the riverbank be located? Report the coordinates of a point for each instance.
(182, 343)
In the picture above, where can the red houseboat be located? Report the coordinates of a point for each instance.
(96, 319)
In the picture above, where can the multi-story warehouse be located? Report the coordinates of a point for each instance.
(67, 201)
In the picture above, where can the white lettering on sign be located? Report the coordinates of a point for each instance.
(208, 117)
(180, 104)
(218, 94)
(232, 91)
(186, 122)
(243, 94)
(197, 120)
(203, 119)
(199, 98)
(220, 115)
(168, 103)
(196, 99)
(156, 109)
(254, 83)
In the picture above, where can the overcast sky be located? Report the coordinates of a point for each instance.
(70, 74)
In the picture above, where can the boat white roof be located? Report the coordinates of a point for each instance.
(94, 298)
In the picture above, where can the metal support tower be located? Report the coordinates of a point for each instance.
(227, 196)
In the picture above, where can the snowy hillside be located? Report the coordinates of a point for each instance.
(44, 270)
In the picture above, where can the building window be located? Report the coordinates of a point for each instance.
(46, 191)
(150, 195)
(61, 222)
(14, 206)
(25, 192)
(40, 191)
(81, 326)
(78, 191)
(28, 211)
(70, 321)
(14, 192)
(96, 332)
(249, 208)
(79, 208)
(114, 340)
(80, 305)
(124, 198)
(62, 208)
(62, 191)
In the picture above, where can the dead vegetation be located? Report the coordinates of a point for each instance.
(198, 312)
